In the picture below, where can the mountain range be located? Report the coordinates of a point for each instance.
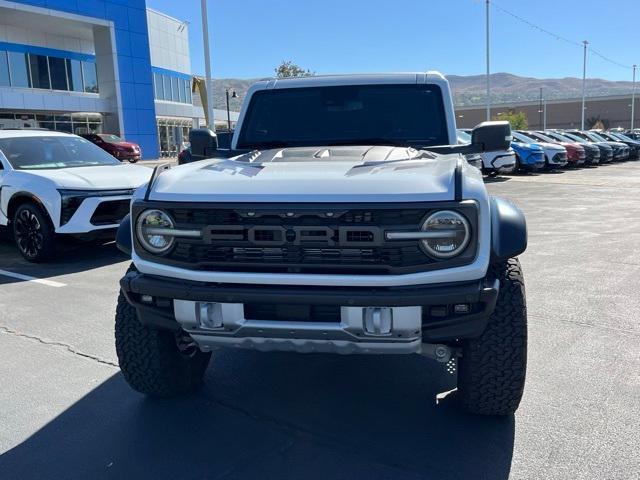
(470, 90)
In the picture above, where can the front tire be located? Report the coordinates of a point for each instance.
(493, 366)
(157, 363)
(33, 233)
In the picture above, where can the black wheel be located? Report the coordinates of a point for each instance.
(133, 160)
(492, 369)
(158, 363)
(493, 174)
(518, 167)
(33, 233)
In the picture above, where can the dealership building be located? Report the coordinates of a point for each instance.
(111, 66)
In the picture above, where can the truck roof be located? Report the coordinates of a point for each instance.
(352, 79)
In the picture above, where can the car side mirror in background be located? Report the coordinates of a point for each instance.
(204, 143)
(491, 136)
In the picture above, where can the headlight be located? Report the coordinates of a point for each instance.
(149, 229)
(455, 234)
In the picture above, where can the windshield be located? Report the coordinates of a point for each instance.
(595, 137)
(110, 138)
(542, 137)
(405, 114)
(463, 137)
(620, 136)
(39, 153)
(575, 137)
(523, 138)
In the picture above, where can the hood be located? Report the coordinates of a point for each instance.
(316, 174)
(528, 146)
(107, 177)
(125, 144)
(551, 146)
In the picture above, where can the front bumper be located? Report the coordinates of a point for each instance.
(418, 314)
(82, 220)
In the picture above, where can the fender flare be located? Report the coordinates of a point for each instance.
(508, 229)
(123, 236)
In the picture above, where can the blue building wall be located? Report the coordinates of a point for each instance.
(134, 62)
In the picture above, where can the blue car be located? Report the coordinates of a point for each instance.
(529, 156)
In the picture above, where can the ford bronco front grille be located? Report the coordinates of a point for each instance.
(304, 238)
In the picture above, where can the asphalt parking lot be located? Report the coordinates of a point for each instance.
(67, 413)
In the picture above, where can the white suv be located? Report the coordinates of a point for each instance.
(55, 183)
(493, 163)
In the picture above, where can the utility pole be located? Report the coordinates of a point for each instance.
(488, 70)
(584, 82)
(207, 65)
(633, 96)
(540, 109)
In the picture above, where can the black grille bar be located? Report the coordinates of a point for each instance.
(305, 238)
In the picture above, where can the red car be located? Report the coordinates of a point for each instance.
(116, 146)
(576, 154)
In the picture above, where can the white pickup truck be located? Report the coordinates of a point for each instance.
(344, 220)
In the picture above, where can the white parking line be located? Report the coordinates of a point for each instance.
(27, 278)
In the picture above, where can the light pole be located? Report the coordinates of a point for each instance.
(207, 65)
(633, 96)
(584, 82)
(540, 108)
(488, 70)
(233, 95)
(544, 115)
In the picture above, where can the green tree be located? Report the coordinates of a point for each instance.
(518, 120)
(289, 69)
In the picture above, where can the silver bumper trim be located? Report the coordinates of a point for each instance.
(347, 336)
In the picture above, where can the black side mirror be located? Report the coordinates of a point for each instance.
(492, 136)
(204, 143)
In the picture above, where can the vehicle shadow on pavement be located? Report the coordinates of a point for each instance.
(275, 416)
(71, 257)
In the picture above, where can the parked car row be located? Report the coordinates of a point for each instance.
(533, 150)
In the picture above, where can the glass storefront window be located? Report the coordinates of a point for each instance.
(58, 73)
(159, 87)
(4, 70)
(39, 71)
(181, 90)
(90, 77)
(175, 89)
(168, 93)
(64, 127)
(74, 73)
(19, 69)
(188, 91)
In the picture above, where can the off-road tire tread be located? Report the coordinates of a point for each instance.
(493, 366)
(149, 358)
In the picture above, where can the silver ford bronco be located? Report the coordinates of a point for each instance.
(343, 219)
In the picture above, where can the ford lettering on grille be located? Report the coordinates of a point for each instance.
(276, 235)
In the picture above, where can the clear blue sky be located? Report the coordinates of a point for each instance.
(251, 37)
